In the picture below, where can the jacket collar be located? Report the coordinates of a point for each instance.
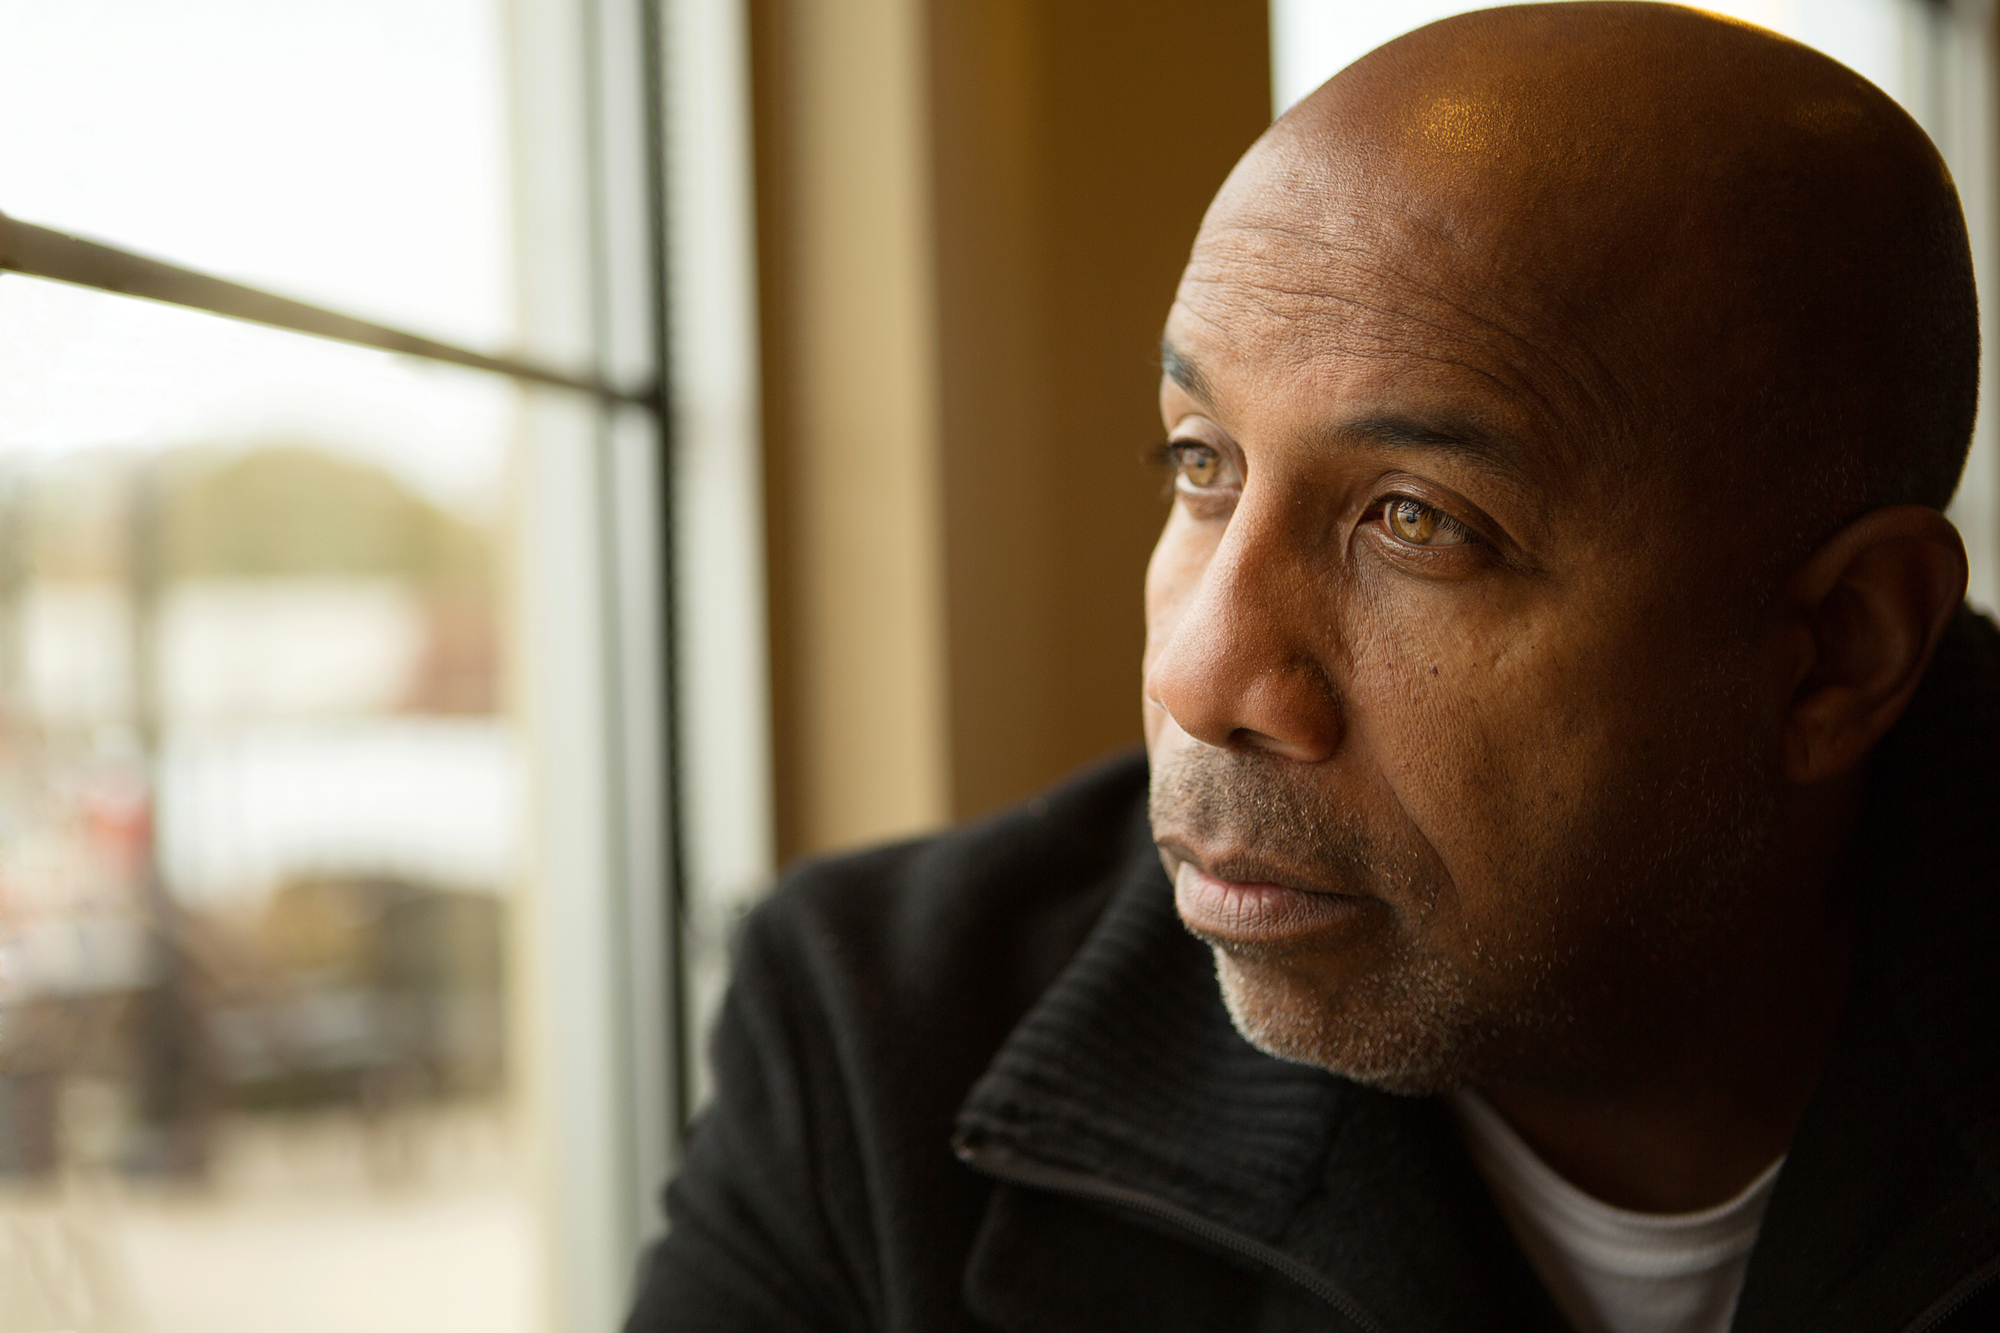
(1128, 1068)
(1129, 1071)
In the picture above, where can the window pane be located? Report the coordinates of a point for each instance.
(353, 155)
(259, 794)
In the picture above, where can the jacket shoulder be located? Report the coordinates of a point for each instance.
(820, 1191)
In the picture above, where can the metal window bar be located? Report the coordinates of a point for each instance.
(41, 252)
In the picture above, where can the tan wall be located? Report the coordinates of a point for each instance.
(850, 351)
(972, 216)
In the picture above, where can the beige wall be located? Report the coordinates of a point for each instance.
(972, 213)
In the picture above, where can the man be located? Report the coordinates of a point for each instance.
(1572, 771)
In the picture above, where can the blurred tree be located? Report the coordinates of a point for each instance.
(269, 510)
(295, 510)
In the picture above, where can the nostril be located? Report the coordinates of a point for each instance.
(1299, 747)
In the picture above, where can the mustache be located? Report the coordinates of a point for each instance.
(1248, 816)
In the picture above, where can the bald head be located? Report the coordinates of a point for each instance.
(1562, 399)
(1695, 237)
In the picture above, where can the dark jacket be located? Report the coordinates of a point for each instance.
(984, 1080)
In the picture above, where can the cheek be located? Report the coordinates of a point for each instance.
(1503, 744)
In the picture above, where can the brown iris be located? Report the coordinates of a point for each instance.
(1414, 522)
(1199, 464)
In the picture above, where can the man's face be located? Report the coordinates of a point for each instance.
(1461, 746)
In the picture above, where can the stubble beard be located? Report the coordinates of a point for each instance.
(1413, 1029)
(1538, 1002)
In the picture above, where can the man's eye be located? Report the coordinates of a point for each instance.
(1200, 466)
(1419, 524)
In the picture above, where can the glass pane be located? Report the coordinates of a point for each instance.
(259, 795)
(354, 154)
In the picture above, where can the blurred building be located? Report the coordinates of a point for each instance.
(262, 796)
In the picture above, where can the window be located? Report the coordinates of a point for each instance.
(339, 962)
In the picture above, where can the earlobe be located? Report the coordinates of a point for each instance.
(1874, 600)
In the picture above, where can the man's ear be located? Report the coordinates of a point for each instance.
(1873, 602)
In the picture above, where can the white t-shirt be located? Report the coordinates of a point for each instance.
(1610, 1270)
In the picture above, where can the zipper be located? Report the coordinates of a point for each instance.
(1006, 1165)
(1949, 1304)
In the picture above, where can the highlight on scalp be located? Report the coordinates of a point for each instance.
(1761, 249)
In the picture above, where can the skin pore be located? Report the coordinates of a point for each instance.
(1510, 677)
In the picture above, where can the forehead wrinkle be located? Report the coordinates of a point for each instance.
(1372, 264)
(1538, 378)
(1352, 342)
(1363, 260)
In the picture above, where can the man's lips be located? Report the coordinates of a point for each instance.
(1228, 911)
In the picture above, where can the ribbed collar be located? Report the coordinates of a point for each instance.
(1128, 1068)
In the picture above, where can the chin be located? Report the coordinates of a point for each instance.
(1405, 1031)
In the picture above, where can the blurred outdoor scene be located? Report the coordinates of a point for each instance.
(258, 796)
(260, 789)
(255, 795)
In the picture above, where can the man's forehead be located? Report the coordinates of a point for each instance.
(1424, 419)
(1368, 301)
(1384, 286)
(1338, 246)
(1340, 298)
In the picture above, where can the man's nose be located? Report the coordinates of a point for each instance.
(1244, 663)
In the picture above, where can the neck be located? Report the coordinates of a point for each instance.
(1697, 1110)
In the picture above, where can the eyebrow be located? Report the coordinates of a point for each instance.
(1184, 373)
(1459, 440)
(1452, 439)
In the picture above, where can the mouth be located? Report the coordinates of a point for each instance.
(1257, 911)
